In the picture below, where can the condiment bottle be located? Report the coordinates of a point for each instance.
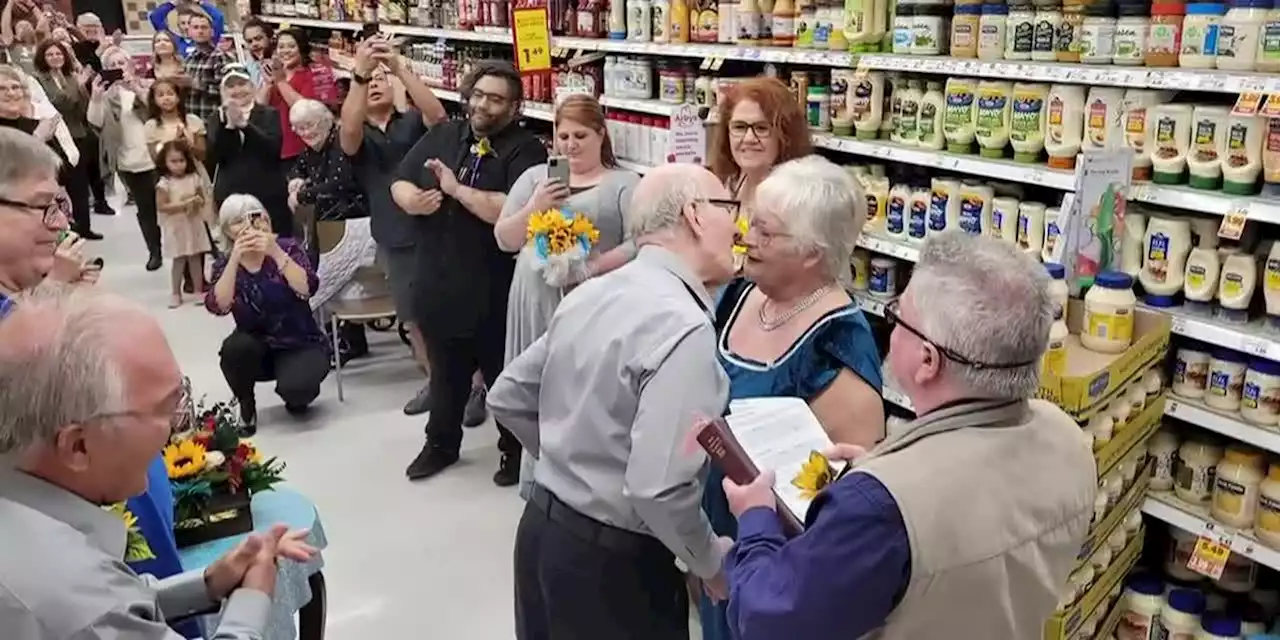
(932, 110)
(929, 29)
(617, 20)
(1131, 34)
(1066, 45)
(1064, 126)
(1269, 42)
(784, 23)
(994, 113)
(806, 23)
(1021, 29)
(993, 31)
(1200, 35)
(903, 23)
(750, 20)
(1164, 38)
(661, 15)
(964, 30)
(1048, 20)
(1238, 34)
(960, 120)
(1098, 33)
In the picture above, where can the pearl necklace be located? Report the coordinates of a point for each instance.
(808, 301)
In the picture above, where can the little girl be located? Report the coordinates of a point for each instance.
(184, 199)
(170, 121)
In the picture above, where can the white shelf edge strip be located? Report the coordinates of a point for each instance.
(1248, 339)
(1155, 78)
(1227, 425)
(1162, 507)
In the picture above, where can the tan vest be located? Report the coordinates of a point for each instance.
(997, 498)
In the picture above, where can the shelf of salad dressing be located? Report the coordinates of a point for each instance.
(1230, 425)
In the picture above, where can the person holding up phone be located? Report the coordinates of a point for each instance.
(264, 282)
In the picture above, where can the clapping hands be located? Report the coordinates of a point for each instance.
(252, 564)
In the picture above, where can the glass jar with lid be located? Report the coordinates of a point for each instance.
(1236, 485)
(1066, 45)
(1198, 459)
(1020, 32)
(1098, 33)
(1048, 20)
(1164, 37)
(1131, 34)
(1260, 396)
(964, 30)
(993, 31)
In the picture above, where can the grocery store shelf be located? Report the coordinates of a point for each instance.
(497, 36)
(892, 248)
(1212, 202)
(997, 169)
(1195, 519)
(1251, 338)
(1173, 78)
(726, 51)
(1230, 425)
(874, 306)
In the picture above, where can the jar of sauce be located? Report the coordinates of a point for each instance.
(1267, 525)
(1108, 313)
(1236, 487)
(1198, 460)
(1164, 37)
(1066, 45)
(1191, 370)
(964, 30)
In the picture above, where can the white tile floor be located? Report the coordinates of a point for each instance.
(405, 560)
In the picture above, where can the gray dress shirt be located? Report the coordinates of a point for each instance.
(607, 397)
(62, 575)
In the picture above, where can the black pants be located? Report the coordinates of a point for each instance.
(453, 362)
(247, 360)
(76, 182)
(143, 187)
(91, 160)
(578, 579)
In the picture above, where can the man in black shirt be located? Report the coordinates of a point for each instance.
(455, 180)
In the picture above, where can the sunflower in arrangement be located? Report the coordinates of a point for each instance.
(560, 242)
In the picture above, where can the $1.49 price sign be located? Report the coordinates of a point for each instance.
(532, 39)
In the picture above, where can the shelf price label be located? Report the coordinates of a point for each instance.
(1233, 222)
(1247, 104)
(1213, 548)
(532, 39)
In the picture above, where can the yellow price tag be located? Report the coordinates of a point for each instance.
(532, 39)
(1247, 104)
(1232, 226)
(1209, 558)
(1271, 107)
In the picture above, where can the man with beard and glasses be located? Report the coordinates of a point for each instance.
(377, 135)
(455, 180)
(257, 38)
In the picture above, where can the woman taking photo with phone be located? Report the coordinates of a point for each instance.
(264, 282)
(584, 178)
(289, 79)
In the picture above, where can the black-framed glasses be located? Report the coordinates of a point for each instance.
(732, 206)
(49, 213)
(738, 129)
(895, 319)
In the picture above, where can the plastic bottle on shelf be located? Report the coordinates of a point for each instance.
(964, 30)
(1271, 287)
(918, 214)
(1098, 33)
(1201, 279)
(1020, 32)
(1200, 35)
(994, 111)
(883, 281)
(960, 118)
(807, 24)
(1169, 139)
(1066, 45)
(618, 20)
(1191, 370)
(1132, 27)
(944, 205)
(1048, 20)
(1058, 290)
(1102, 128)
(1162, 448)
(930, 28)
(639, 20)
(903, 23)
(1135, 111)
(661, 13)
(932, 112)
(1030, 237)
(864, 103)
(1165, 247)
(1226, 379)
(1064, 124)
(1198, 459)
(897, 211)
(877, 201)
(1179, 615)
(891, 108)
(1153, 384)
(909, 119)
(1164, 38)
(1108, 313)
(1219, 626)
(1267, 525)
(1235, 487)
(975, 207)
(1238, 34)
(1208, 125)
(750, 20)
(1004, 218)
(1271, 158)
(1268, 54)
(1052, 234)
(1236, 283)
(992, 31)
(1131, 244)
(1027, 121)
(1260, 397)
(1241, 153)
(783, 23)
(837, 15)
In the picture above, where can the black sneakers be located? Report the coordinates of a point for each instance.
(430, 461)
(508, 474)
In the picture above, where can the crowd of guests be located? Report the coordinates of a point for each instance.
(968, 519)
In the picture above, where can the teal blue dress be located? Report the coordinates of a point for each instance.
(841, 339)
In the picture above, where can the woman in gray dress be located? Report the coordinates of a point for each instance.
(598, 189)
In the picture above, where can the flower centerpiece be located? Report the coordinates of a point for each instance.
(560, 242)
(214, 474)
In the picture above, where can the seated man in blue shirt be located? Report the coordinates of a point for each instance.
(968, 519)
(160, 21)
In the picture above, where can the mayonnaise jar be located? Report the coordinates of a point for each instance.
(1267, 525)
(959, 122)
(1169, 141)
(1141, 603)
(1108, 313)
(1027, 122)
(1198, 459)
(1260, 398)
(1226, 379)
(1163, 449)
(1191, 370)
(1235, 487)
(994, 113)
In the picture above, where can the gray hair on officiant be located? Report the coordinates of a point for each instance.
(821, 206)
(57, 361)
(988, 300)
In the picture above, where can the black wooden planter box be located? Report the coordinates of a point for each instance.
(220, 503)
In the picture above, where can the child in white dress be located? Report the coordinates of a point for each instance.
(184, 199)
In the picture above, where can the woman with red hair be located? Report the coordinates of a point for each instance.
(760, 126)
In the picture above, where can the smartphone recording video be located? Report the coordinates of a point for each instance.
(112, 76)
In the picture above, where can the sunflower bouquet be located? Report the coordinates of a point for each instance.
(210, 466)
(560, 242)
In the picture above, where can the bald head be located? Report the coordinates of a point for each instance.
(65, 353)
(661, 196)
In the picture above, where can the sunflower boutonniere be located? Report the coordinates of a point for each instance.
(482, 148)
(814, 476)
(136, 548)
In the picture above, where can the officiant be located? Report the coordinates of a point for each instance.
(604, 400)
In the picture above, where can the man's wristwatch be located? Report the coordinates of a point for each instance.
(359, 79)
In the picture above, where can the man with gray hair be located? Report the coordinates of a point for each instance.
(30, 220)
(604, 400)
(968, 519)
(89, 393)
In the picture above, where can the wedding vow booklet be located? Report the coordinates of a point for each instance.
(781, 434)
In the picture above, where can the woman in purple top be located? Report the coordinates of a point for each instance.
(264, 282)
